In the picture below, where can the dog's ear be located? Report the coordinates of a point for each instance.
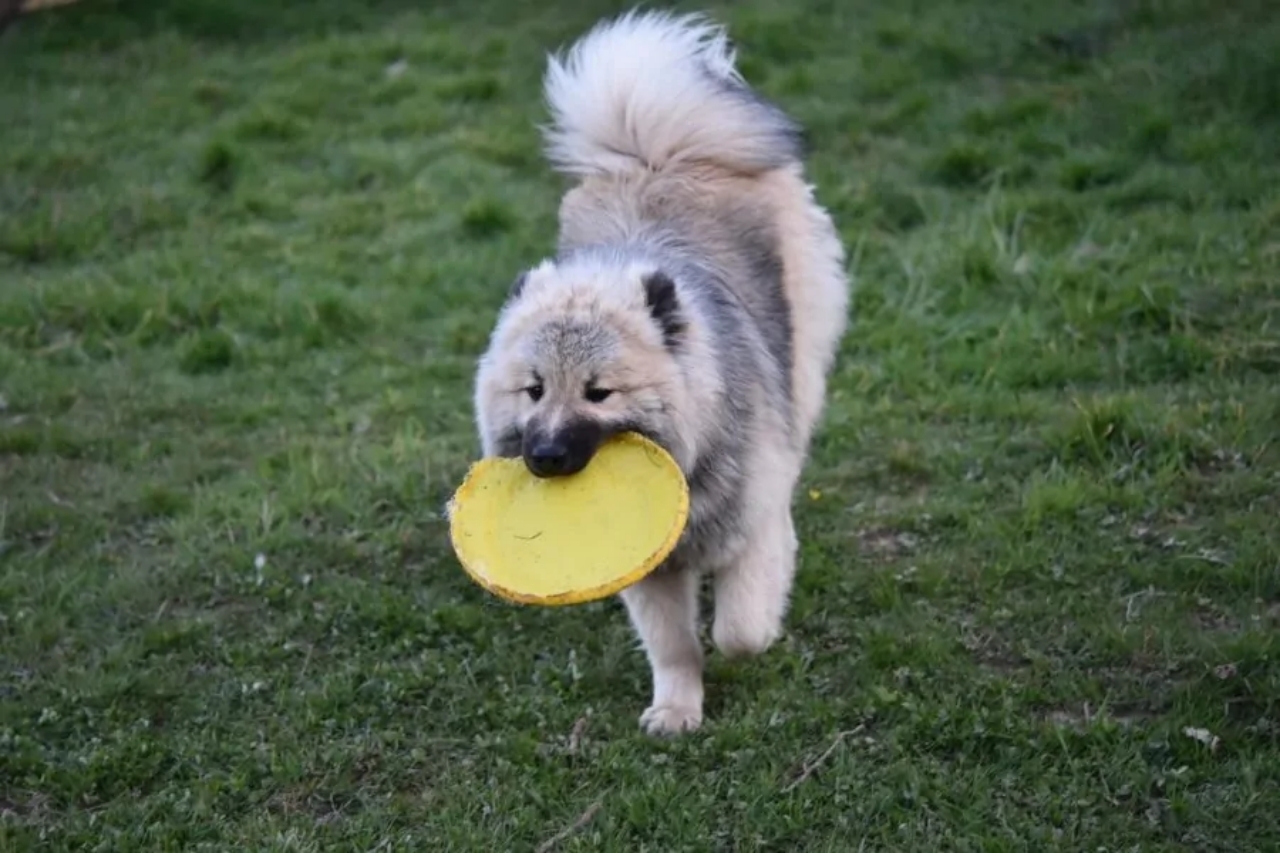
(664, 305)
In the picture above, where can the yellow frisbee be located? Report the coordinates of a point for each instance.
(569, 540)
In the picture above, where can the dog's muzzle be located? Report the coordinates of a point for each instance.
(563, 452)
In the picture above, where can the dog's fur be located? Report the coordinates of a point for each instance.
(698, 297)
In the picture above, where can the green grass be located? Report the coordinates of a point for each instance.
(250, 251)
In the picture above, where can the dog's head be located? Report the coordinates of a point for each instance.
(583, 351)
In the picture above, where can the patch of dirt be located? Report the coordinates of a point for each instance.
(31, 809)
(992, 652)
(305, 800)
(887, 543)
(1211, 620)
(1083, 716)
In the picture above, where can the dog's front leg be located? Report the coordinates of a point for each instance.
(664, 610)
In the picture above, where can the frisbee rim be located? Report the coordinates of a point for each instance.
(467, 556)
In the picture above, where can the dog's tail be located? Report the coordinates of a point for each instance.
(652, 91)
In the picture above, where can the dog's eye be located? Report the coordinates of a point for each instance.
(534, 392)
(598, 395)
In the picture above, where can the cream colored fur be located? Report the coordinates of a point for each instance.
(670, 154)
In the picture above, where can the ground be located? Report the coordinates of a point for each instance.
(249, 253)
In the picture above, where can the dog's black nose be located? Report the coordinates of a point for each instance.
(548, 459)
(562, 453)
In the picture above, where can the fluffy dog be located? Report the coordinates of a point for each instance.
(698, 297)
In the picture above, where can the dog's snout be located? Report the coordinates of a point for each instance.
(548, 458)
(564, 452)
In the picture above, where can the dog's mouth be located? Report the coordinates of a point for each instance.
(564, 452)
(570, 449)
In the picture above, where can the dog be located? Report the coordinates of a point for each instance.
(697, 296)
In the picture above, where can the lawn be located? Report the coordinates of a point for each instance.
(250, 251)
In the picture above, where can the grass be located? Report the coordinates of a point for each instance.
(250, 251)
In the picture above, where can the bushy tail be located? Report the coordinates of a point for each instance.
(656, 91)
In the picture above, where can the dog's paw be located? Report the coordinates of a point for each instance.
(665, 720)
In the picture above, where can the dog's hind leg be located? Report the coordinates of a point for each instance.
(664, 610)
(752, 593)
